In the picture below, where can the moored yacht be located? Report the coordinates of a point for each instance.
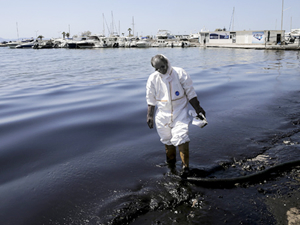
(121, 41)
(112, 41)
(164, 38)
(14, 44)
(73, 43)
(60, 43)
(159, 43)
(164, 34)
(130, 42)
(3, 44)
(194, 37)
(27, 44)
(89, 42)
(43, 44)
(295, 33)
(144, 42)
(181, 42)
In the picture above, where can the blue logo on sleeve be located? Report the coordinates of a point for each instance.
(177, 93)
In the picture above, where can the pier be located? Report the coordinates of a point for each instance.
(252, 46)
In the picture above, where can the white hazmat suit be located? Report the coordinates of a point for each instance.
(171, 93)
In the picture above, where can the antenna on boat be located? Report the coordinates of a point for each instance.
(17, 30)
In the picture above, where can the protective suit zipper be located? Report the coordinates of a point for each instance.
(171, 102)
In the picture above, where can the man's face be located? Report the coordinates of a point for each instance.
(160, 65)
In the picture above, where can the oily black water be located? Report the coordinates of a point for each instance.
(75, 147)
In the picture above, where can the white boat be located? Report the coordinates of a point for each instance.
(74, 41)
(183, 43)
(292, 37)
(164, 38)
(194, 37)
(43, 44)
(92, 41)
(122, 41)
(112, 41)
(164, 34)
(130, 42)
(27, 44)
(100, 44)
(102, 41)
(160, 43)
(14, 44)
(106, 42)
(88, 43)
(295, 33)
(60, 43)
(3, 44)
(144, 42)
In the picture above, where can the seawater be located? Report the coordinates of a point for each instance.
(74, 144)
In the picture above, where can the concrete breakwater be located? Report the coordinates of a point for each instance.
(253, 46)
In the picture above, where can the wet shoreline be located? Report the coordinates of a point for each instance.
(274, 200)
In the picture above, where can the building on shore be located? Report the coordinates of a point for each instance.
(255, 37)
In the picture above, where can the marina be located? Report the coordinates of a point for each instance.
(164, 38)
(258, 39)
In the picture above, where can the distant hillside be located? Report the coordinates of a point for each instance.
(3, 39)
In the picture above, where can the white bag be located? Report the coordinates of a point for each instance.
(196, 120)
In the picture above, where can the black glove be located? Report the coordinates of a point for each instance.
(150, 114)
(196, 105)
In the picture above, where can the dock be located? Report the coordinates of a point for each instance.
(253, 46)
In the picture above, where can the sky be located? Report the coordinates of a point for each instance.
(31, 18)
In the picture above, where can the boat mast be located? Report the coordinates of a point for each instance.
(281, 23)
(232, 20)
(133, 26)
(112, 23)
(17, 30)
(106, 25)
(103, 25)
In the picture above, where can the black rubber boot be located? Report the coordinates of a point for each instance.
(170, 154)
(184, 154)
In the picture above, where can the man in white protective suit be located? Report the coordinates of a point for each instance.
(171, 89)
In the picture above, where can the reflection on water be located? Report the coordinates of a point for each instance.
(75, 146)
